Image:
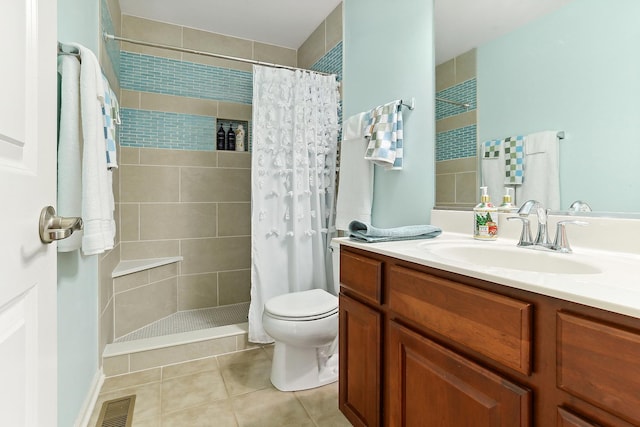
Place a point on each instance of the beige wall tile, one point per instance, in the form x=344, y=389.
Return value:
x=466, y=66
x=313, y=48
x=209, y=255
x=216, y=43
x=217, y=62
x=234, y=159
x=465, y=118
x=131, y=380
x=105, y=268
x=151, y=31
x=129, y=99
x=141, y=306
x=131, y=281
x=170, y=355
x=129, y=156
x=178, y=104
x=149, y=183
x=234, y=286
x=116, y=14
x=197, y=291
x=242, y=341
x=234, y=111
x=111, y=366
x=467, y=188
x=445, y=188
x=144, y=250
x=207, y=364
x=160, y=157
x=177, y=221
x=105, y=334
x=163, y=272
x=223, y=185
x=130, y=222
x=275, y=54
x=107, y=68
x=467, y=164
x=334, y=28
x=234, y=219
x=445, y=75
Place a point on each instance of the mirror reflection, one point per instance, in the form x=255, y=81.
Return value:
x=575, y=70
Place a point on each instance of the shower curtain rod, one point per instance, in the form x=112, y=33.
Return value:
x=107, y=36
x=462, y=104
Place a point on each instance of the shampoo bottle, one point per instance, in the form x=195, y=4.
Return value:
x=485, y=216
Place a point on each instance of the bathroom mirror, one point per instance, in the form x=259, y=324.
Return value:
x=574, y=69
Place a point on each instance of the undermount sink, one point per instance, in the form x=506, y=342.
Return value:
x=512, y=258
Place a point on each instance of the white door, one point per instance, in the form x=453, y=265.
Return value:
x=27, y=183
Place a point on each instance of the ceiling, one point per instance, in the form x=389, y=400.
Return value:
x=459, y=24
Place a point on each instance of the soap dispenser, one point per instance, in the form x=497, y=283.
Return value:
x=485, y=226
x=507, y=205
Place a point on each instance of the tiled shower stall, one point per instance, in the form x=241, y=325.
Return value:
x=176, y=196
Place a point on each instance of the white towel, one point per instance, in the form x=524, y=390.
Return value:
x=97, y=210
x=492, y=166
x=69, y=149
x=355, y=182
x=542, y=180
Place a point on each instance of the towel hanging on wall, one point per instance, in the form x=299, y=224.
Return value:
x=385, y=134
x=69, y=149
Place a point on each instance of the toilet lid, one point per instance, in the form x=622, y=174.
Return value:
x=312, y=303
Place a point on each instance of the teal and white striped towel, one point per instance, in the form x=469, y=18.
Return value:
x=364, y=232
x=385, y=135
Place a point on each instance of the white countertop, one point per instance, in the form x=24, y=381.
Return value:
x=616, y=288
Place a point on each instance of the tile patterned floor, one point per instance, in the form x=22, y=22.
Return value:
x=228, y=390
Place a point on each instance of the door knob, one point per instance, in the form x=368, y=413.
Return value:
x=54, y=227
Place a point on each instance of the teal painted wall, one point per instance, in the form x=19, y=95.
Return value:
x=77, y=275
x=576, y=70
x=388, y=54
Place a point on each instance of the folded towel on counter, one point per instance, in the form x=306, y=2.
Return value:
x=355, y=180
x=367, y=233
x=70, y=149
x=514, y=160
x=386, y=136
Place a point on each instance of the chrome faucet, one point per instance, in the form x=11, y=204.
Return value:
x=561, y=243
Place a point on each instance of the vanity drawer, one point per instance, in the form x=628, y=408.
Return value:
x=496, y=326
x=600, y=363
x=361, y=275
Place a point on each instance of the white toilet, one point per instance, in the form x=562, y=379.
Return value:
x=304, y=326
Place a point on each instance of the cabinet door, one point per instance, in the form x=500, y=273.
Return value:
x=431, y=386
x=360, y=350
x=569, y=419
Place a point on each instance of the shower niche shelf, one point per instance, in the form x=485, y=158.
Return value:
x=133, y=266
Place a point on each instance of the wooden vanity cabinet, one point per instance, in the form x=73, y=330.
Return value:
x=426, y=347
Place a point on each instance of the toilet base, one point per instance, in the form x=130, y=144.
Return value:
x=297, y=368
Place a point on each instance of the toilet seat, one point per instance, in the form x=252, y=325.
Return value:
x=302, y=306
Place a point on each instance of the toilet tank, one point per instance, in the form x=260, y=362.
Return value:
x=335, y=262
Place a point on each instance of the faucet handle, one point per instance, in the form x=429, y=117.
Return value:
x=561, y=242
x=525, y=235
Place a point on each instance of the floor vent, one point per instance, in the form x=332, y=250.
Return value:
x=117, y=412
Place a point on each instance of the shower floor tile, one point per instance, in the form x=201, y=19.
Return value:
x=191, y=320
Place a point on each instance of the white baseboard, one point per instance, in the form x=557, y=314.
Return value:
x=90, y=401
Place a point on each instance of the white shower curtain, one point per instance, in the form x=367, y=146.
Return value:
x=295, y=132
